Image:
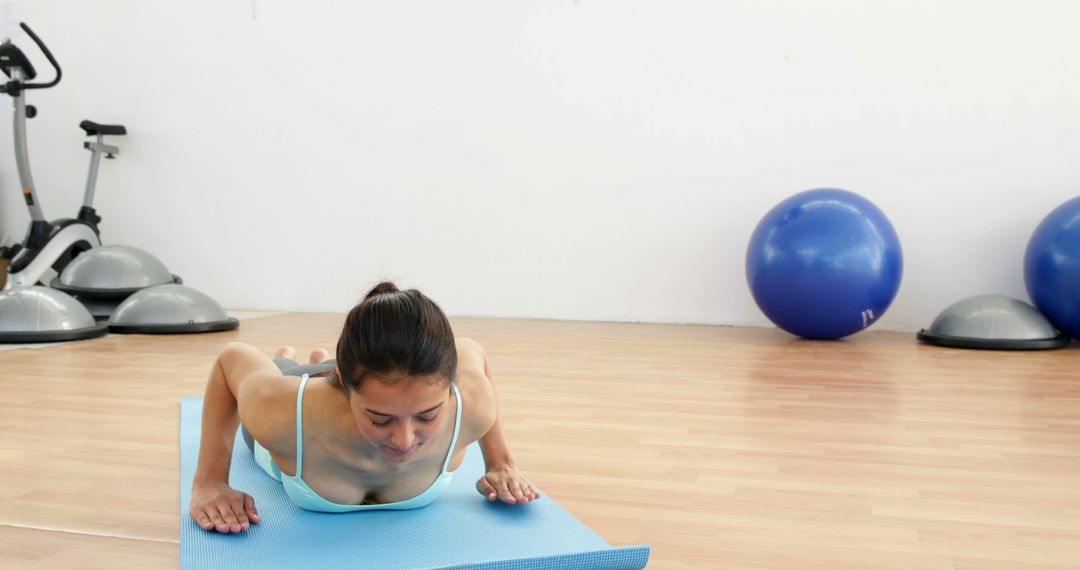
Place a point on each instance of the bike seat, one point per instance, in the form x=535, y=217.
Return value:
x=93, y=128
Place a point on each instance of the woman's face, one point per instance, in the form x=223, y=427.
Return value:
x=400, y=416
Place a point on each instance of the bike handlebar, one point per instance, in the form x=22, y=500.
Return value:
x=48, y=54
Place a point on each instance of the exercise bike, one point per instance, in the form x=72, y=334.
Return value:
x=48, y=246
x=62, y=265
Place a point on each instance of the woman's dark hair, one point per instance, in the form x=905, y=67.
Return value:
x=393, y=331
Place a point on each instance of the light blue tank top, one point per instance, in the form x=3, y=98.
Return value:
x=308, y=499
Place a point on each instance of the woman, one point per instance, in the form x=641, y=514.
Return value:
x=384, y=430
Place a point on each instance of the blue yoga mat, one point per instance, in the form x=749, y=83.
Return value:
x=461, y=529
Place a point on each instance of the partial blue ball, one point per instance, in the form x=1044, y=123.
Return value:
x=824, y=264
x=1052, y=267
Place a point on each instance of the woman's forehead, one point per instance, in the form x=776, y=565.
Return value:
x=406, y=397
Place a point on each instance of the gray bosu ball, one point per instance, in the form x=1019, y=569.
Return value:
x=112, y=271
x=40, y=314
x=995, y=322
x=170, y=309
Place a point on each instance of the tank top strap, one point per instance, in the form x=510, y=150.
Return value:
x=300, y=427
x=457, y=429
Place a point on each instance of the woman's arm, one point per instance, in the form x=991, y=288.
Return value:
x=502, y=481
x=215, y=505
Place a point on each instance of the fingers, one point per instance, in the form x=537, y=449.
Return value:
x=528, y=491
x=503, y=492
x=486, y=489
x=517, y=493
x=202, y=518
x=513, y=490
x=249, y=508
x=521, y=491
x=506, y=491
x=217, y=520
x=229, y=518
x=238, y=504
x=222, y=509
x=225, y=519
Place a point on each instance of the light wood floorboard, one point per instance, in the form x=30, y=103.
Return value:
x=722, y=447
x=37, y=549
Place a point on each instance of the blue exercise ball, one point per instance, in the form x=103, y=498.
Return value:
x=824, y=264
x=1052, y=267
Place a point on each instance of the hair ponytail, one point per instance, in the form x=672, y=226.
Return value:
x=382, y=289
x=393, y=331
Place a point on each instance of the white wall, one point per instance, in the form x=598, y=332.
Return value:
x=555, y=159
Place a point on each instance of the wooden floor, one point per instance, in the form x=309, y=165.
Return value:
x=720, y=447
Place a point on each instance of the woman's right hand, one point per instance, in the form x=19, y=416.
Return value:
x=217, y=506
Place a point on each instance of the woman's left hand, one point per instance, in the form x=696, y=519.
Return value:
x=505, y=484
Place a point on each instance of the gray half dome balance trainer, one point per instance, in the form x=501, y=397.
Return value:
x=993, y=322
x=40, y=314
x=170, y=309
x=112, y=271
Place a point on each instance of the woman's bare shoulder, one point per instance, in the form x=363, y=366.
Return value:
x=470, y=353
x=267, y=407
x=477, y=392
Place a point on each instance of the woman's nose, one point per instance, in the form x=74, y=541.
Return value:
x=403, y=437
